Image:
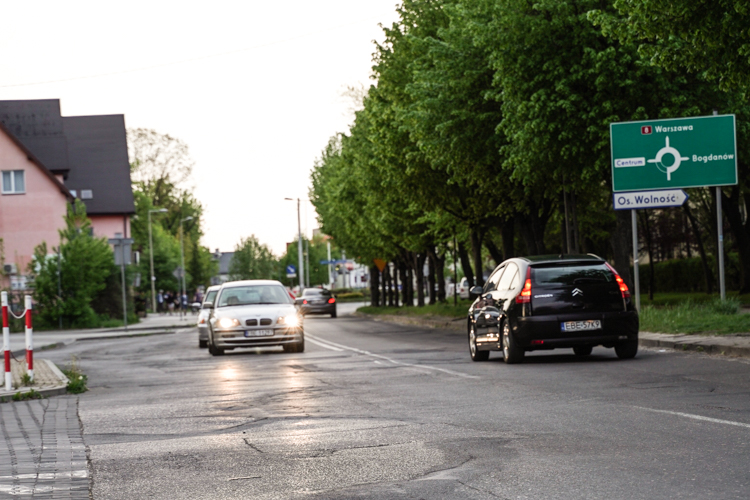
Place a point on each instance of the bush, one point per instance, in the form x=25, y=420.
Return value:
x=85, y=263
x=686, y=275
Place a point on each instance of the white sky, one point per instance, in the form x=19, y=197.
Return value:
x=255, y=120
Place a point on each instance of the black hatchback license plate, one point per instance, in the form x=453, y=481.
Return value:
x=258, y=333
x=579, y=326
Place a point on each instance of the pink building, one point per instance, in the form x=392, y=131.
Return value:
x=33, y=202
x=46, y=161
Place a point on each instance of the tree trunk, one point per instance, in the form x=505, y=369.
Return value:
x=440, y=274
x=404, y=273
x=707, y=274
x=392, y=293
x=476, y=246
x=410, y=284
x=576, y=238
x=509, y=231
x=384, y=286
x=494, y=251
x=621, y=243
x=431, y=266
x=463, y=256
x=741, y=232
x=396, y=279
x=374, y=286
x=419, y=272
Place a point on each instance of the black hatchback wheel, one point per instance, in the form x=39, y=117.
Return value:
x=511, y=352
x=476, y=355
x=627, y=349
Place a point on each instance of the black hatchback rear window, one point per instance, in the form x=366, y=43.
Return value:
x=571, y=274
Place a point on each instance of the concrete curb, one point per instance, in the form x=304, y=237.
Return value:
x=55, y=390
x=727, y=345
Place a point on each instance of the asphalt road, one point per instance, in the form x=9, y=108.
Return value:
x=375, y=410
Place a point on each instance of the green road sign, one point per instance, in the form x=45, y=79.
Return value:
x=675, y=153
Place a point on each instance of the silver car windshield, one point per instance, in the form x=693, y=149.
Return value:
x=253, y=294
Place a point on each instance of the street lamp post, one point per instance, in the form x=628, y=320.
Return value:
x=301, y=262
x=151, y=255
x=182, y=262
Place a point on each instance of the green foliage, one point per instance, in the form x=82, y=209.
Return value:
x=252, y=261
x=161, y=169
x=317, y=248
x=85, y=263
x=25, y=396
x=485, y=111
x=26, y=380
x=76, y=379
x=709, y=37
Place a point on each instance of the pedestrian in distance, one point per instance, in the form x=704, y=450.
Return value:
x=160, y=302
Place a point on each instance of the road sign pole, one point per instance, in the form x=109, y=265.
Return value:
x=720, y=246
x=636, y=277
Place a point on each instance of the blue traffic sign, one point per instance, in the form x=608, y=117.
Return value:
x=291, y=271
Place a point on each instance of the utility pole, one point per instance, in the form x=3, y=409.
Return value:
x=300, y=257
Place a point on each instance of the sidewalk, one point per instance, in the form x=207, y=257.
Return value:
x=728, y=345
x=153, y=324
x=42, y=453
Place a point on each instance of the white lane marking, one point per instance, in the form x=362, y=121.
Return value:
x=321, y=344
x=696, y=417
x=401, y=363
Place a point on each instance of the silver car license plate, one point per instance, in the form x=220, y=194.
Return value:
x=258, y=333
x=577, y=326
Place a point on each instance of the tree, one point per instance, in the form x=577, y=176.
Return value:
x=708, y=37
x=161, y=168
x=252, y=261
x=85, y=263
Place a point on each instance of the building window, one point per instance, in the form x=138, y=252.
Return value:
x=14, y=182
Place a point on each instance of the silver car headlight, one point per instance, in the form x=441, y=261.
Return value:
x=228, y=322
x=290, y=320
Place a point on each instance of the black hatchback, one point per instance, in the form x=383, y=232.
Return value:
x=549, y=302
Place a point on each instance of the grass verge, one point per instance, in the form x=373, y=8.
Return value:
x=447, y=310
x=711, y=317
x=675, y=313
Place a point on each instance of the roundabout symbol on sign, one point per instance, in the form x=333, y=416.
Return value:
x=670, y=151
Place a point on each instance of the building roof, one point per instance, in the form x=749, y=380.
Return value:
x=33, y=159
x=38, y=125
x=100, y=170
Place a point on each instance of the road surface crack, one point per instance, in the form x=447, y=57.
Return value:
x=251, y=445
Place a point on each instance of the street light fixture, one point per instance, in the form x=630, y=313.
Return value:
x=301, y=264
x=151, y=255
x=182, y=260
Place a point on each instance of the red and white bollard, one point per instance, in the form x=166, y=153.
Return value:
x=29, y=339
x=6, y=343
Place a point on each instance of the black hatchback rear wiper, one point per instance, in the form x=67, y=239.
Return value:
x=581, y=281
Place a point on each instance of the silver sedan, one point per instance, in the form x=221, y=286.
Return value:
x=255, y=313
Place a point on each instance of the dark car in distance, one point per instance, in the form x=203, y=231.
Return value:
x=316, y=301
x=549, y=302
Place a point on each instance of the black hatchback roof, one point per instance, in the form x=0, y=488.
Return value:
x=550, y=259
